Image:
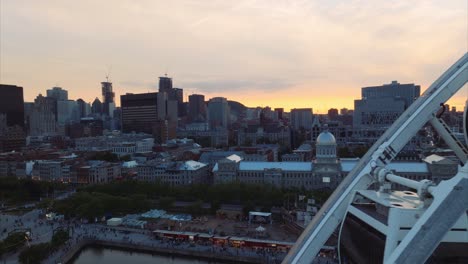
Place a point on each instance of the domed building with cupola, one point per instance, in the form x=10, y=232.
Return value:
x=326, y=147
x=325, y=170
x=326, y=165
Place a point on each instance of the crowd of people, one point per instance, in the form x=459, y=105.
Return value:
x=82, y=233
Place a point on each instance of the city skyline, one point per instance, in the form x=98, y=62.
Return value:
x=293, y=55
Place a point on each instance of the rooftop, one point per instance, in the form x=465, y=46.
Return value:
x=192, y=165
x=414, y=167
x=287, y=166
x=326, y=138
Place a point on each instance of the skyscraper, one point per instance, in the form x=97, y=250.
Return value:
x=108, y=104
x=12, y=104
x=96, y=107
x=43, y=119
x=140, y=112
x=197, y=108
x=218, y=113
x=173, y=94
x=12, y=136
x=58, y=93
x=179, y=97
x=67, y=111
x=82, y=108
x=165, y=84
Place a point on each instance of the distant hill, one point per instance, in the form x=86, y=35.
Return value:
x=237, y=108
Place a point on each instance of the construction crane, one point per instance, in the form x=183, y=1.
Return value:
x=448, y=205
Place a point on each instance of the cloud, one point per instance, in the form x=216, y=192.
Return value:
x=221, y=85
x=325, y=46
x=138, y=84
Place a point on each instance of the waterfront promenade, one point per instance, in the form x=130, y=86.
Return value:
x=133, y=239
x=144, y=241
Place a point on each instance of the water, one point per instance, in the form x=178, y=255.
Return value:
x=103, y=255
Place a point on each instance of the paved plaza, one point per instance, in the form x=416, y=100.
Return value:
x=42, y=231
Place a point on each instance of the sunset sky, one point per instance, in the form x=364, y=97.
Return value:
x=261, y=53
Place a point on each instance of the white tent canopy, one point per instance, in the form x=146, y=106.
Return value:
x=253, y=215
x=260, y=229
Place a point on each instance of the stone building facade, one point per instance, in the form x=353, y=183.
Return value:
x=325, y=171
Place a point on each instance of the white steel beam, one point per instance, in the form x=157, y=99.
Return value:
x=381, y=153
x=441, y=127
x=450, y=202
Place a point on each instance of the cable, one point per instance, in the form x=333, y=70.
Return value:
x=339, y=233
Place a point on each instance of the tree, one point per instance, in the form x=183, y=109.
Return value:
x=166, y=203
x=248, y=206
x=360, y=151
x=125, y=158
x=344, y=152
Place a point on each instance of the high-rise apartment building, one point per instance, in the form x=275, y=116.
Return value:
x=58, y=94
x=197, y=108
x=218, y=113
x=380, y=106
x=301, y=118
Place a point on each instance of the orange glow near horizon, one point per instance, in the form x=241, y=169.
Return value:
x=275, y=99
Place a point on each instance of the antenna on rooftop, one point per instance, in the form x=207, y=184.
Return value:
x=108, y=73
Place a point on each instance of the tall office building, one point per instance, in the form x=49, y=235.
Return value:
x=196, y=108
x=108, y=104
x=173, y=94
x=179, y=97
x=96, y=107
x=165, y=84
x=58, y=94
x=140, y=112
x=67, y=111
x=28, y=109
x=218, y=113
x=301, y=118
x=12, y=104
x=43, y=120
x=380, y=106
x=82, y=108
x=12, y=136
